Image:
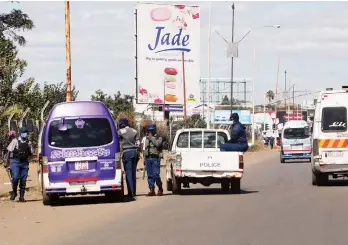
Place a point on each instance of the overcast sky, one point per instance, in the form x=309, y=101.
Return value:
x=312, y=43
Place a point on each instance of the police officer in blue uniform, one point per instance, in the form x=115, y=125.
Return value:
x=238, y=141
x=129, y=140
x=19, y=151
x=153, y=155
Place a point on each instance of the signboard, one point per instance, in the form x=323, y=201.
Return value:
x=223, y=116
x=174, y=108
x=164, y=33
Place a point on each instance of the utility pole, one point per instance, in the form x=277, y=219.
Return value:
x=293, y=95
x=285, y=95
x=67, y=52
x=232, y=58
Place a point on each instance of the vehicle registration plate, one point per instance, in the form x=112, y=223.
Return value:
x=84, y=183
x=80, y=166
x=296, y=147
x=335, y=154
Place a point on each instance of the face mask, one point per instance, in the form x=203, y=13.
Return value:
x=24, y=135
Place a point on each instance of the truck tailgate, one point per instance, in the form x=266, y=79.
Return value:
x=210, y=161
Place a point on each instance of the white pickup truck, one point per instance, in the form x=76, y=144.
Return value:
x=195, y=157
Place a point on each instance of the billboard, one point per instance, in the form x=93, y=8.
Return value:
x=223, y=116
x=164, y=34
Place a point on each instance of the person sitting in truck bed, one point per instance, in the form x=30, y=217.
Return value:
x=238, y=141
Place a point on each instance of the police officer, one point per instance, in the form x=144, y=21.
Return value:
x=238, y=141
x=19, y=151
x=129, y=140
x=153, y=155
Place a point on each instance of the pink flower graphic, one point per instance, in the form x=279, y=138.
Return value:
x=142, y=91
x=195, y=16
x=180, y=6
x=158, y=101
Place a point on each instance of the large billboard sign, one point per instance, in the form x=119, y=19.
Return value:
x=164, y=33
x=223, y=116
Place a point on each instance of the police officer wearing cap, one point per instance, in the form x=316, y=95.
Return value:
x=238, y=141
x=19, y=151
x=129, y=140
x=153, y=155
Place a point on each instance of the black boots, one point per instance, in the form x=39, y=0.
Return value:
x=13, y=195
x=152, y=192
x=160, y=192
x=21, y=196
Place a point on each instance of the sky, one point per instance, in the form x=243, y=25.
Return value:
x=312, y=44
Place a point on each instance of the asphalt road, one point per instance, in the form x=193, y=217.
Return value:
x=278, y=206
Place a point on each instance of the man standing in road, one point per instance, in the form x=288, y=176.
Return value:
x=19, y=151
x=153, y=155
x=129, y=140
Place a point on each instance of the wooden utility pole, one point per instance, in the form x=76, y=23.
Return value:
x=184, y=82
x=67, y=52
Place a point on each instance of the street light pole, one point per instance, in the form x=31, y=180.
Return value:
x=209, y=44
x=285, y=94
x=232, y=57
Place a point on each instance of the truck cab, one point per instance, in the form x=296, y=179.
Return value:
x=195, y=157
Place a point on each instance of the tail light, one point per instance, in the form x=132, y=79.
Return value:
x=178, y=161
x=118, y=160
x=241, y=162
x=315, y=147
x=44, y=164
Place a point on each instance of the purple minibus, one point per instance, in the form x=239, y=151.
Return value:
x=79, y=152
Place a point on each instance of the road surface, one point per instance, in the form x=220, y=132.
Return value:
x=278, y=207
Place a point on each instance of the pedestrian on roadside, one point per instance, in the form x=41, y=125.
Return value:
x=153, y=155
x=19, y=152
x=129, y=141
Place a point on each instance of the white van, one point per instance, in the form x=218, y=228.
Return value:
x=295, y=141
x=330, y=136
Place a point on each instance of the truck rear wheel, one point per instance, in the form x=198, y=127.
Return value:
x=225, y=185
x=169, y=185
x=320, y=179
x=176, y=184
x=235, y=186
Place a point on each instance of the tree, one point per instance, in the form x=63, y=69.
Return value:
x=225, y=101
x=11, y=67
x=270, y=96
x=117, y=103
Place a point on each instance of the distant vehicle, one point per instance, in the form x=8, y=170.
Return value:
x=195, y=157
x=295, y=141
x=330, y=136
x=80, y=153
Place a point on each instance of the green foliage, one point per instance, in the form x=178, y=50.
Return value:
x=194, y=121
x=270, y=95
x=117, y=103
